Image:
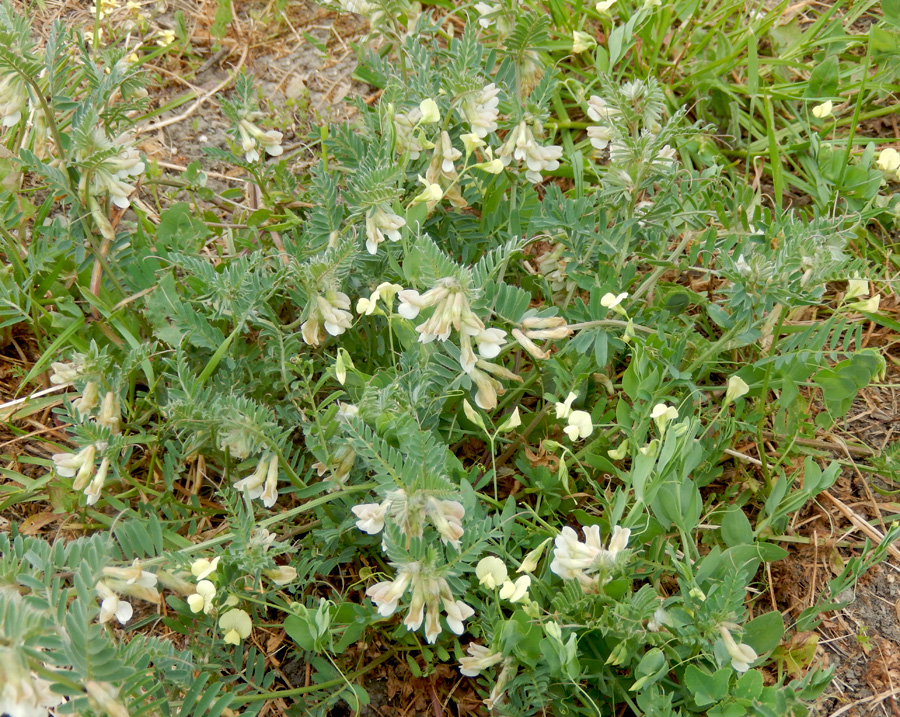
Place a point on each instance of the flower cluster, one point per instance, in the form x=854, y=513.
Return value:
x=410, y=513
x=263, y=482
x=481, y=110
x=452, y=311
x=521, y=146
x=329, y=313
x=253, y=138
x=133, y=582
x=13, y=99
x=80, y=465
x=110, y=175
x=491, y=572
x=430, y=591
x=589, y=562
x=580, y=424
x=599, y=111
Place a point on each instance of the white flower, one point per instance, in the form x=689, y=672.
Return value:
x=251, y=135
x=269, y=494
x=530, y=563
x=480, y=658
x=88, y=399
x=329, y=312
x=574, y=560
x=514, y=421
x=430, y=195
x=81, y=463
x=490, y=342
x=481, y=111
x=386, y=595
x=741, y=655
x=381, y=224
x=430, y=112
x=870, y=305
x=449, y=154
x=109, y=176
x=662, y=414
x=532, y=348
x=823, y=110
x=282, y=575
x=515, y=591
x=486, y=12
x=604, y=5
x=64, y=372
x=110, y=412
x=13, y=99
x=96, y=485
x=487, y=389
x=255, y=482
x=202, y=600
x=613, y=301
x=888, y=160
x=446, y=516
x=112, y=606
x=600, y=136
x=737, y=387
x=858, y=287
x=371, y=516
x=660, y=618
x=236, y=625
x=204, y=567
x=491, y=572
x=133, y=575
x=743, y=268
x=580, y=425
x=581, y=42
x=564, y=409
x=404, y=129
x=520, y=145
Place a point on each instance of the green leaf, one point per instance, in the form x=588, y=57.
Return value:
x=707, y=689
x=736, y=529
x=763, y=633
x=823, y=81
x=891, y=11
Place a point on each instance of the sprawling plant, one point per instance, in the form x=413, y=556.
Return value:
x=499, y=367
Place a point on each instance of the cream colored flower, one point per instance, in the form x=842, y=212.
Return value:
x=737, y=387
x=202, y=599
x=491, y=572
x=480, y=658
x=580, y=425
x=888, y=160
x=96, y=485
x=869, y=306
x=662, y=414
x=823, y=110
x=581, y=42
x=203, y=567
x=282, y=575
x=564, y=409
x=858, y=287
x=742, y=655
x=430, y=112
x=515, y=591
x=236, y=625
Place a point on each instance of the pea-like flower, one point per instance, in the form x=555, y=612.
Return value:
x=13, y=99
x=737, y=387
x=96, y=485
x=888, y=160
x=613, y=302
x=253, y=136
x=236, y=625
x=429, y=594
x=112, y=606
x=742, y=655
x=573, y=559
x=480, y=658
x=204, y=567
x=263, y=482
x=823, y=110
x=859, y=287
x=329, y=314
x=202, y=599
x=481, y=110
x=491, y=572
x=430, y=111
x=381, y=225
x=580, y=425
x=522, y=146
x=282, y=575
x=564, y=408
x=80, y=465
x=515, y=591
x=88, y=400
x=110, y=412
x=662, y=414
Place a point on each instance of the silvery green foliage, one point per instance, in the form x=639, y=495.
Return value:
x=313, y=368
